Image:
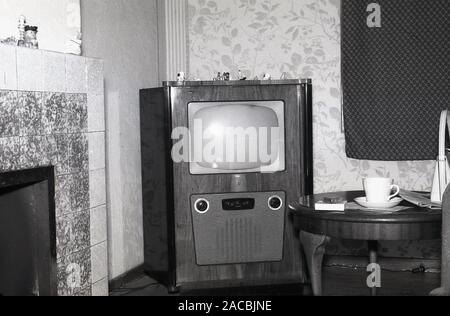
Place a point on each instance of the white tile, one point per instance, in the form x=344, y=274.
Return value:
x=95, y=76
x=99, y=262
x=97, y=187
x=8, y=67
x=97, y=150
x=76, y=75
x=96, y=113
x=101, y=288
x=99, y=229
x=29, y=69
x=54, y=72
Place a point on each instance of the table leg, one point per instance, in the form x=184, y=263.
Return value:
x=314, y=248
x=373, y=254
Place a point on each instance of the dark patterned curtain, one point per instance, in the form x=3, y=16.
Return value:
x=396, y=77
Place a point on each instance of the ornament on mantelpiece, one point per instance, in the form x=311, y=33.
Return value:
x=31, y=37
x=73, y=45
x=21, y=28
x=9, y=41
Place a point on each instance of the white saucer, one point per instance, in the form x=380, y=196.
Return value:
x=388, y=205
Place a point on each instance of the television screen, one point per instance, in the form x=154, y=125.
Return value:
x=236, y=137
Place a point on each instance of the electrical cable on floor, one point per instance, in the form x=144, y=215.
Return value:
x=422, y=269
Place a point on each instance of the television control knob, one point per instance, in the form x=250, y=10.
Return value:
x=275, y=203
x=202, y=206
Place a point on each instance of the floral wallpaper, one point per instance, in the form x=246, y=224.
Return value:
x=302, y=39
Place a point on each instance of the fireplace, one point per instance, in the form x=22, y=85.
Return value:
x=27, y=233
x=43, y=125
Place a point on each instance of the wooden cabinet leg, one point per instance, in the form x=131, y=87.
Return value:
x=314, y=247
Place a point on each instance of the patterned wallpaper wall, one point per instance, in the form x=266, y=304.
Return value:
x=301, y=38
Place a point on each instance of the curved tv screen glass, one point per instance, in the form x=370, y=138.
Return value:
x=236, y=137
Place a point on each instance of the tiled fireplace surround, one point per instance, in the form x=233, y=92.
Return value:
x=52, y=114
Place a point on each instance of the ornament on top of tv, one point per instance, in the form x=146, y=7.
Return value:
x=181, y=76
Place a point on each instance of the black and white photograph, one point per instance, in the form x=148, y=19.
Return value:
x=217, y=156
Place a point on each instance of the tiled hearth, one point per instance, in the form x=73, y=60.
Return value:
x=52, y=114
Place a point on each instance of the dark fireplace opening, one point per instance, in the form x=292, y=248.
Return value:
x=27, y=233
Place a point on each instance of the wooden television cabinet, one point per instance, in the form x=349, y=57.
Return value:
x=181, y=246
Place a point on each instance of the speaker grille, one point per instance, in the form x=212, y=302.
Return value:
x=239, y=239
x=224, y=237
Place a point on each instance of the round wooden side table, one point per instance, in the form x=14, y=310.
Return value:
x=318, y=227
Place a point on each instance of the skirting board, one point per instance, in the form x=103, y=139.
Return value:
x=389, y=264
x=126, y=278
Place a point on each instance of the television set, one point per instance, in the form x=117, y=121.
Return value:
x=237, y=137
x=221, y=162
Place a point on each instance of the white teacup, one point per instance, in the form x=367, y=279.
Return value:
x=379, y=190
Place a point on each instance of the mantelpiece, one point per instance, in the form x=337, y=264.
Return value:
x=52, y=114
